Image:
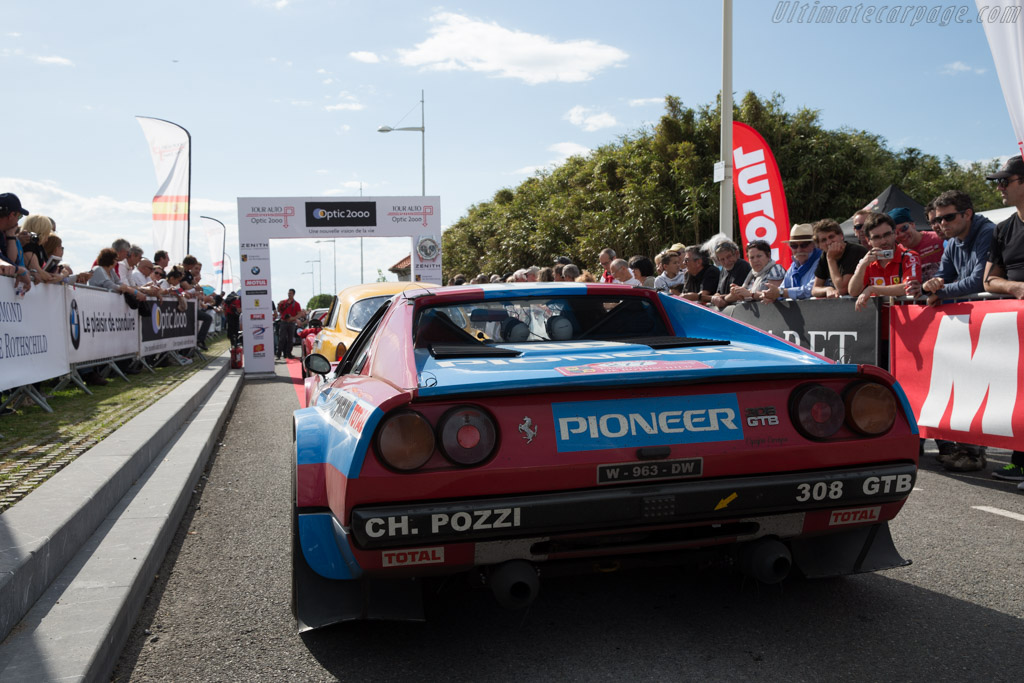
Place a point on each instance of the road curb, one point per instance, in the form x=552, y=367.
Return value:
x=42, y=533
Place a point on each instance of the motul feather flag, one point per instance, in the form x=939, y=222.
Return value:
x=169, y=144
x=760, y=199
x=215, y=239
x=229, y=284
x=1006, y=40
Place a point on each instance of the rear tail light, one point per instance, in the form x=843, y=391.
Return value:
x=870, y=408
x=818, y=411
x=468, y=435
x=339, y=351
x=405, y=441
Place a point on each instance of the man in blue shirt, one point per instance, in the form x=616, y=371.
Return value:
x=961, y=273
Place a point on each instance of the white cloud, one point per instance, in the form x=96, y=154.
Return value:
x=59, y=61
x=87, y=224
x=588, y=119
x=563, y=150
x=958, y=68
x=328, y=81
x=346, y=102
x=301, y=103
x=458, y=43
x=365, y=57
x=644, y=101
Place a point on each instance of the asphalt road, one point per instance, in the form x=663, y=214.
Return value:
x=220, y=609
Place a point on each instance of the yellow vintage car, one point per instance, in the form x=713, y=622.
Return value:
x=349, y=312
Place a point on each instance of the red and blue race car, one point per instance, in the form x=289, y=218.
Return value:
x=517, y=431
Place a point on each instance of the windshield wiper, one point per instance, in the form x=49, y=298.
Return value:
x=450, y=350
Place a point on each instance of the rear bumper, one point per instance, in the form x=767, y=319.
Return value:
x=623, y=507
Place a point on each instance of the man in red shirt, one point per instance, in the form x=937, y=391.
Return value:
x=888, y=269
x=928, y=245
x=289, y=310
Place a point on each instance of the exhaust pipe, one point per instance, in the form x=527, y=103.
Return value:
x=514, y=583
x=767, y=560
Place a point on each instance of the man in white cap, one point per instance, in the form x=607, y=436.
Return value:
x=800, y=277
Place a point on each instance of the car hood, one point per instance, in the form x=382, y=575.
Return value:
x=602, y=363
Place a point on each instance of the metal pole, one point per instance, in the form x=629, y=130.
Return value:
x=360, y=260
x=423, y=145
x=725, y=191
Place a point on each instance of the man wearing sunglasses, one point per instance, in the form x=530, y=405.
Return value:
x=1004, y=271
x=888, y=269
x=928, y=245
x=961, y=273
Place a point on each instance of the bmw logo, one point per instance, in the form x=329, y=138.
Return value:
x=255, y=270
x=75, y=324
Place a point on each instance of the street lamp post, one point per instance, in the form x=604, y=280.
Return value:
x=422, y=128
x=309, y=272
x=317, y=260
x=334, y=243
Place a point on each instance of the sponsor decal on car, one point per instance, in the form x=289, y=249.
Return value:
x=405, y=558
x=595, y=425
x=443, y=522
x=631, y=366
x=859, y=516
x=760, y=417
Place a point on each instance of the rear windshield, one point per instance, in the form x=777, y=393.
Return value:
x=521, y=321
x=363, y=309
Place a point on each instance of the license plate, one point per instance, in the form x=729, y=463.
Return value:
x=639, y=471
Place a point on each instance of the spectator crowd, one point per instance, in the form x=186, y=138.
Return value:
x=32, y=252
x=964, y=254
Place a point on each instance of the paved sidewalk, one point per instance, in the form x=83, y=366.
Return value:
x=78, y=554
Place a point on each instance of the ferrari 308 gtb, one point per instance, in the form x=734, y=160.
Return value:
x=519, y=431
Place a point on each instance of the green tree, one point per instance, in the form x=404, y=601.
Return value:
x=654, y=187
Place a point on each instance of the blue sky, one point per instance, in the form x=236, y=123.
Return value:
x=284, y=98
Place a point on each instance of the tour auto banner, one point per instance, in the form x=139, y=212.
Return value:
x=1006, y=40
x=760, y=198
x=32, y=346
x=169, y=144
x=829, y=327
x=962, y=368
x=99, y=325
x=166, y=328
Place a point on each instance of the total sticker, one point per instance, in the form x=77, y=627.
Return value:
x=404, y=558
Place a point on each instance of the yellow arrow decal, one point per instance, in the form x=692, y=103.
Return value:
x=725, y=501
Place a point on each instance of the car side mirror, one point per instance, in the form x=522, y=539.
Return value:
x=317, y=364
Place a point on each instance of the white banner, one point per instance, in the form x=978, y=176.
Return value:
x=169, y=145
x=261, y=219
x=1004, y=29
x=32, y=335
x=100, y=325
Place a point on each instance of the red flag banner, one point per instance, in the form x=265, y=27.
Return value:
x=962, y=368
x=760, y=198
